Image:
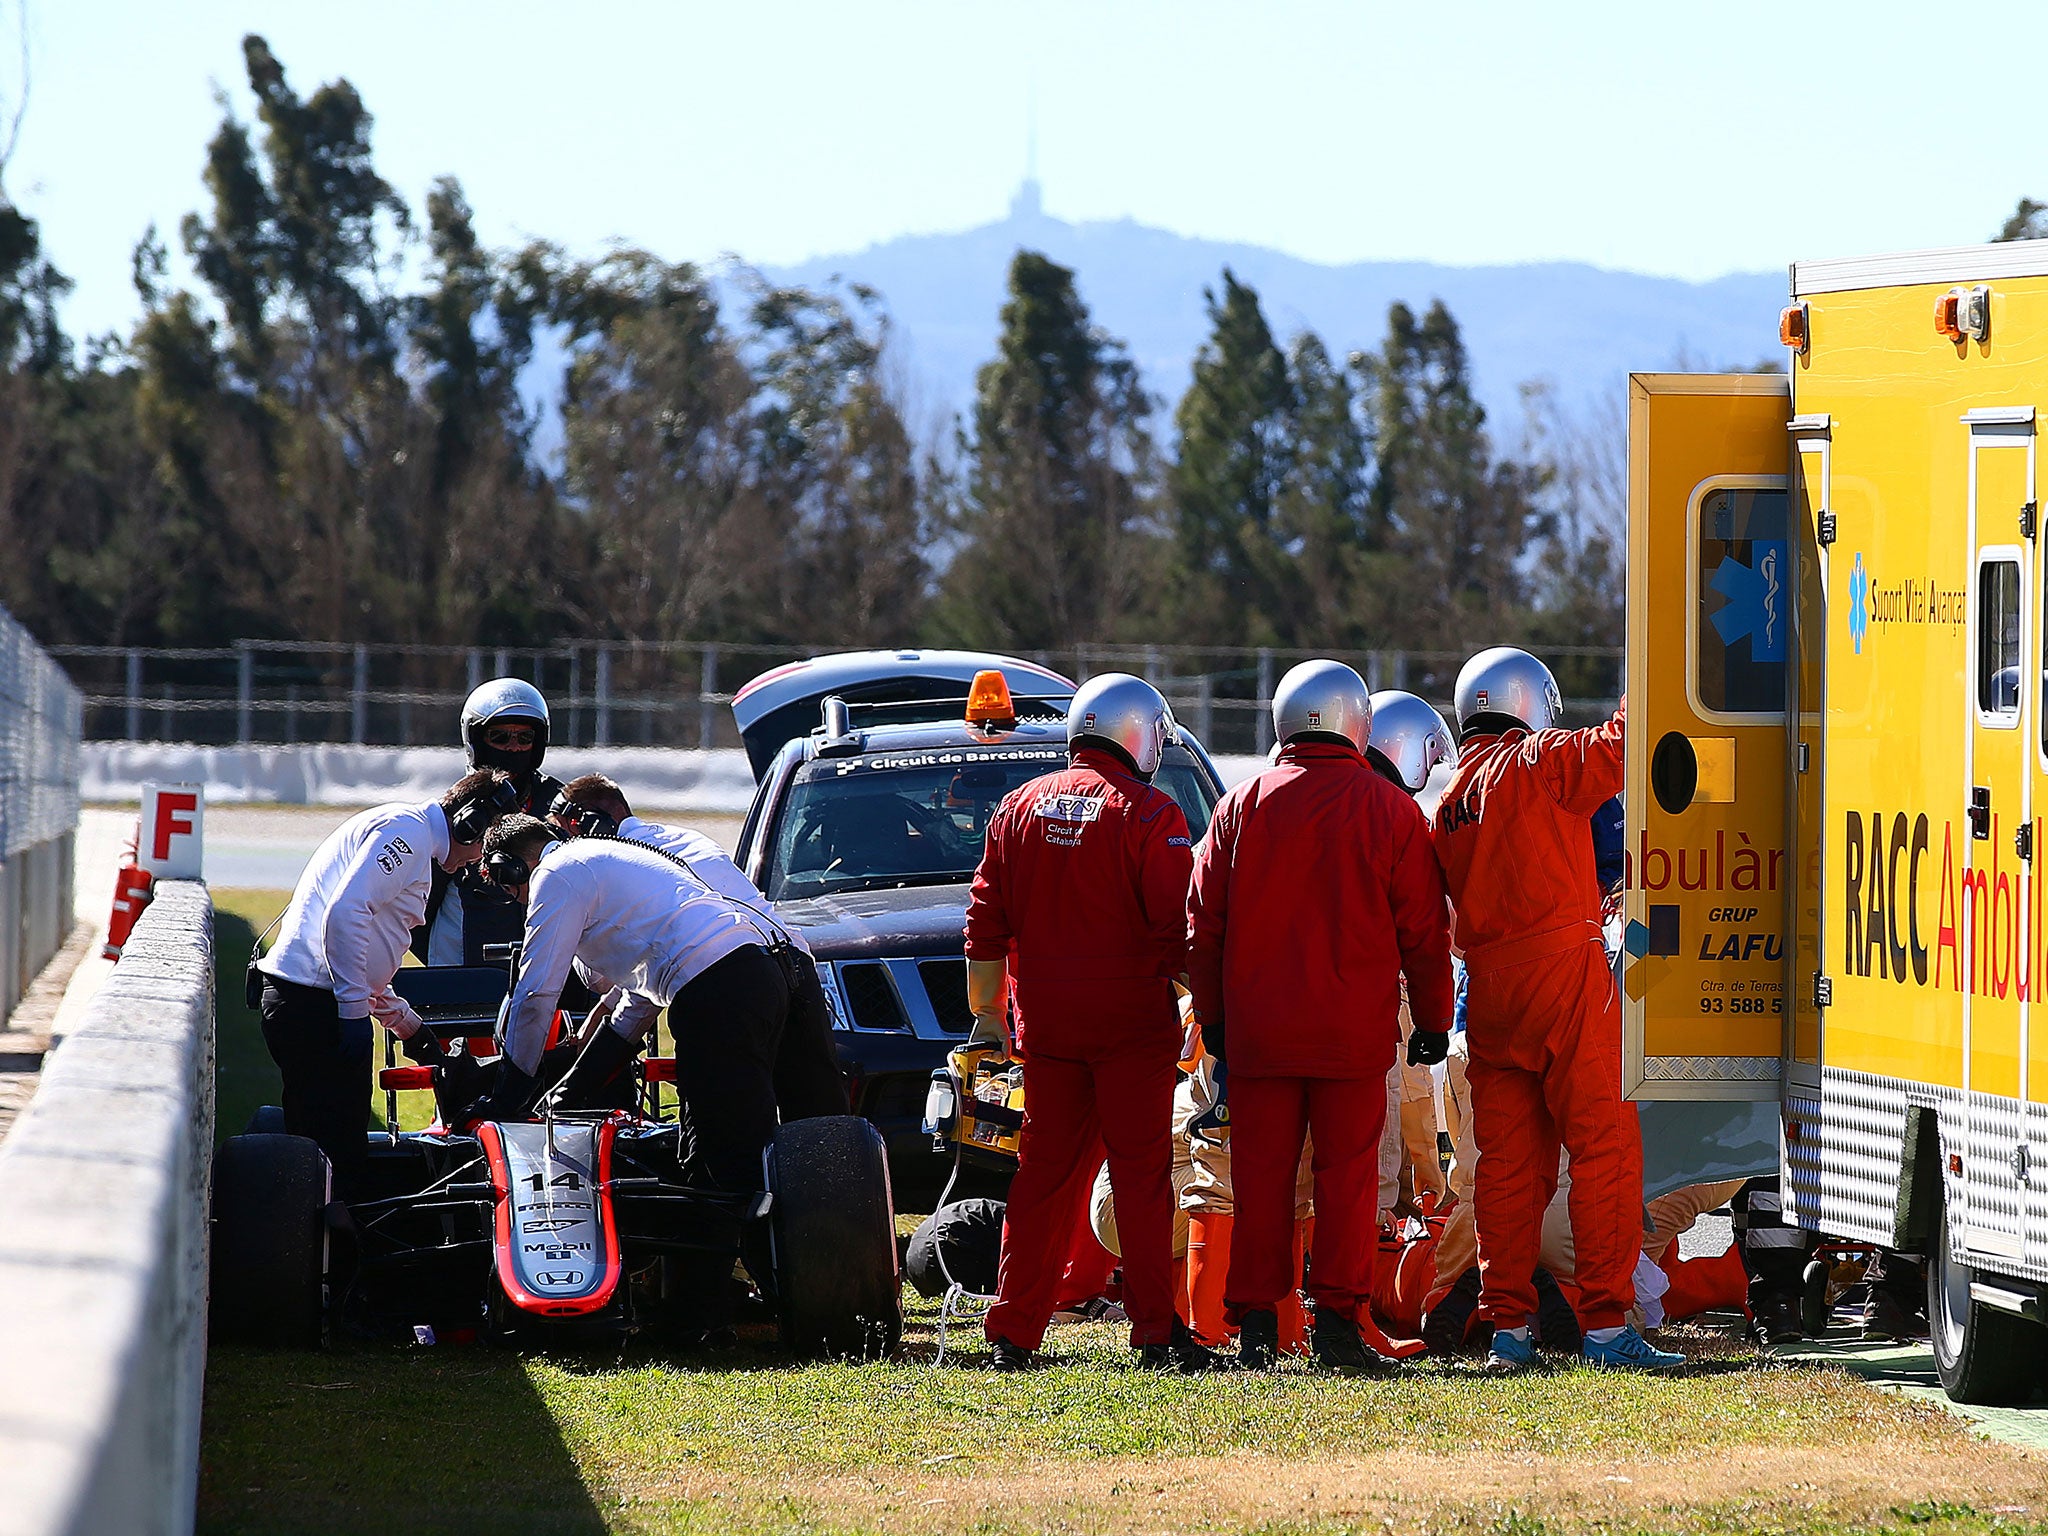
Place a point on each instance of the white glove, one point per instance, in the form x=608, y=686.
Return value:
x=988, y=990
x=394, y=1013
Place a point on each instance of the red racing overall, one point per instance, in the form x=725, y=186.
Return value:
x=1543, y=1022
x=1315, y=892
x=1083, y=889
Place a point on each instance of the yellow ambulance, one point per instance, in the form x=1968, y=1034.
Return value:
x=1838, y=770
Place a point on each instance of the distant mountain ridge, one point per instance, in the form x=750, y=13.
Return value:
x=1582, y=328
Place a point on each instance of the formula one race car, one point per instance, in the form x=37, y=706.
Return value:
x=560, y=1229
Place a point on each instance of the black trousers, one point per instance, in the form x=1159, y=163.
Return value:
x=808, y=1081
x=729, y=1023
x=326, y=1073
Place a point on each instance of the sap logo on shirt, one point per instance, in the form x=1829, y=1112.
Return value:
x=394, y=854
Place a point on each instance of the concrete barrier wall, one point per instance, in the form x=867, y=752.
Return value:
x=103, y=1203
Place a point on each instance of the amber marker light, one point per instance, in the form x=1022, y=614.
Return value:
x=1792, y=328
x=1948, y=318
x=988, y=701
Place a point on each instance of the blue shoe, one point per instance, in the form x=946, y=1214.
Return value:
x=1630, y=1351
x=1509, y=1355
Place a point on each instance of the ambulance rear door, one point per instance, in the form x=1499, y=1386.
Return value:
x=1711, y=559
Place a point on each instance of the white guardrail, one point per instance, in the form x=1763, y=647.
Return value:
x=654, y=778
x=103, y=1197
x=40, y=712
x=717, y=782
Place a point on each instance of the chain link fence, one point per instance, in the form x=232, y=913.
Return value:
x=263, y=692
x=40, y=719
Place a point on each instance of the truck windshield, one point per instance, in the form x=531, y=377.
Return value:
x=918, y=818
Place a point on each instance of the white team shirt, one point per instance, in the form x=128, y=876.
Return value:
x=627, y=918
x=711, y=864
x=357, y=903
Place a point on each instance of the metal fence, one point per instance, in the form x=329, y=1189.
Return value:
x=40, y=713
x=640, y=694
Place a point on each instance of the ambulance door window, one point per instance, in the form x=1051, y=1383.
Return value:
x=1741, y=597
x=1998, y=642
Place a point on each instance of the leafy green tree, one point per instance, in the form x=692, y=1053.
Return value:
x=1459, y=519
x=655, y=422
x=1052, y=528
x=836, y=459
x=1321, y=512
x=2029, y=221
x=1237, y=449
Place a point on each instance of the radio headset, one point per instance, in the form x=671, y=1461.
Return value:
x=467, y=823
x=470, y=820
x=589, y=821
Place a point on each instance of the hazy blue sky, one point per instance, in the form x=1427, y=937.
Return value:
x=1690, y=140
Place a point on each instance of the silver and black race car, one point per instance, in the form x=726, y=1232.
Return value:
x=559, y=1229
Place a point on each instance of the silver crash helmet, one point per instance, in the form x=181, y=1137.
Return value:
x=1124, y=713
x=1409, y=737
x=1323, y=698
x=499, y=702
x=1512, y=687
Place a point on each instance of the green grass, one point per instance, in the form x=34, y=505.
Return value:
x=479, y=1439
x=458, y=1440
x=245, y=1077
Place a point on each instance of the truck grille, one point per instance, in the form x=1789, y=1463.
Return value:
x=945, y=983
x=870, y=998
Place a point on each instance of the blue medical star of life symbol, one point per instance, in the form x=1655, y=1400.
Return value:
x=1859, y=603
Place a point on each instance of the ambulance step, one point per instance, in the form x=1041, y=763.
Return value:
x=2027, y=1304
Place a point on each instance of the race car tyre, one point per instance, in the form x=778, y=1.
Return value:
x=1981, y=1354
x=269, y=1242
x=267, y=1121
x=834, y=1231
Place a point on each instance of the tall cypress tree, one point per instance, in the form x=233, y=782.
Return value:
x=1057, y=478
x=1460, y=521
x=1237, y=449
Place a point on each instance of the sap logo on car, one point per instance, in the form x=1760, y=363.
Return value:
x=560, y=1224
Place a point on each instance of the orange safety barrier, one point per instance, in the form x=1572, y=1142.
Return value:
x=133, y=888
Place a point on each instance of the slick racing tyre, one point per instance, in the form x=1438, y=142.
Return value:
x=834, y=1231
x=269, y=1242
x=1981, y=1354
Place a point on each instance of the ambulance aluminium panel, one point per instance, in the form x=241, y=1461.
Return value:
x=1838, y=652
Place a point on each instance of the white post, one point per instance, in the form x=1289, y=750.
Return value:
x=358, y=700
x=707, y=684
x=1264, y=733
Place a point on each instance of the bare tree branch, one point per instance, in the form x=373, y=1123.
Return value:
x=12, y=136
